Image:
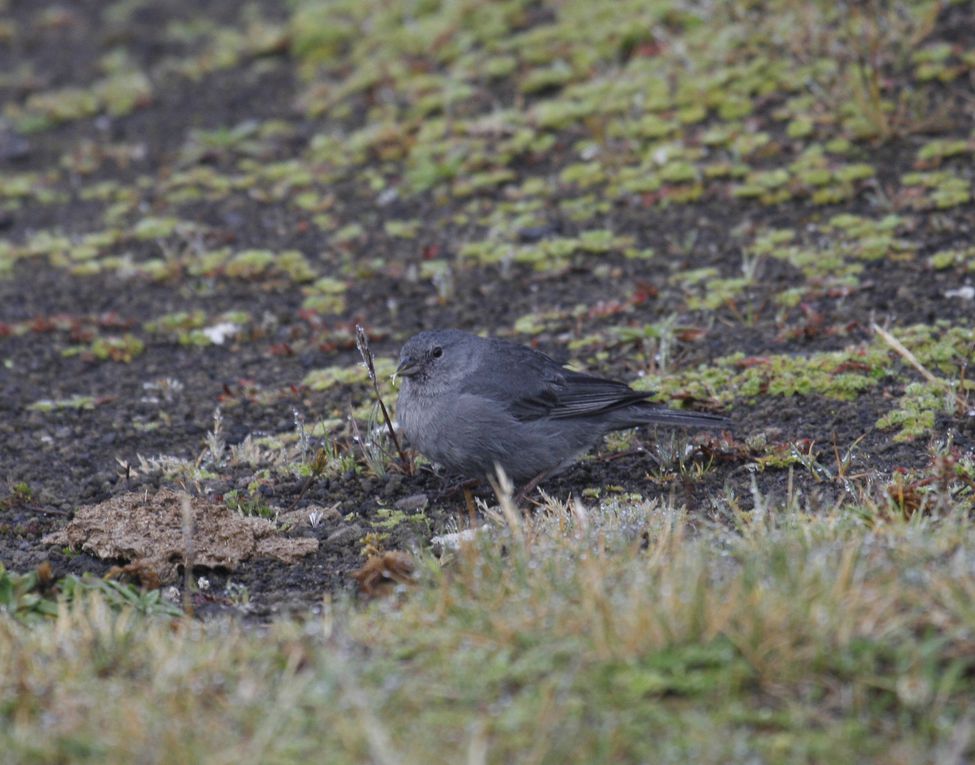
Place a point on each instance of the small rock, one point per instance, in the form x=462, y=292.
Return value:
x=393, y=484
x=412, y=502
x=311, y=516
x=532, y=234
x=965, y=293
x=344, y=535
x=13, y=147
x=445, y=542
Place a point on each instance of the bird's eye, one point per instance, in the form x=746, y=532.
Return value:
x=437, y=352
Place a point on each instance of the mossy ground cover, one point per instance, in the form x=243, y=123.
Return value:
x=762, y=208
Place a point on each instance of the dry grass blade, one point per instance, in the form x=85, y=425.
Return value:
x=503, y=490
x=362, y=344
x=911, y=359
x=186, y=509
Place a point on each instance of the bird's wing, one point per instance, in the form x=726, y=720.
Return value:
x=532, y=386
x=577, y=395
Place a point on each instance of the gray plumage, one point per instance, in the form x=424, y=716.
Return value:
x=470, y=402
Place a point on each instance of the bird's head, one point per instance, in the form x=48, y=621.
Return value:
x=438, y=357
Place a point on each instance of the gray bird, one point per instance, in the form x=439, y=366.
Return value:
x=471, y=403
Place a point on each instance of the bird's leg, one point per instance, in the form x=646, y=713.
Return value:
x=529, y=487
x=458, y=488
x=471, y=509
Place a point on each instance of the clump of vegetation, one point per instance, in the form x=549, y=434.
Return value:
x=718, y=642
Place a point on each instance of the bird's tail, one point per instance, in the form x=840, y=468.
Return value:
x=675, y=418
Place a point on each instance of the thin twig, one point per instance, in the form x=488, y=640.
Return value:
x=362, y=343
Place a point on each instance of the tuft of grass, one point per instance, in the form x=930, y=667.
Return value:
x=26, y=599
x=251, y=502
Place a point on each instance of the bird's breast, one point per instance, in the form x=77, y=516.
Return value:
x=420, y=416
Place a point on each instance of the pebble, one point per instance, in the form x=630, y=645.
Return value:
x=344, y=535
x=453, y=541
x=412, y=502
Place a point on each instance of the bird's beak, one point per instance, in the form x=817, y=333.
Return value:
x=407, y=367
